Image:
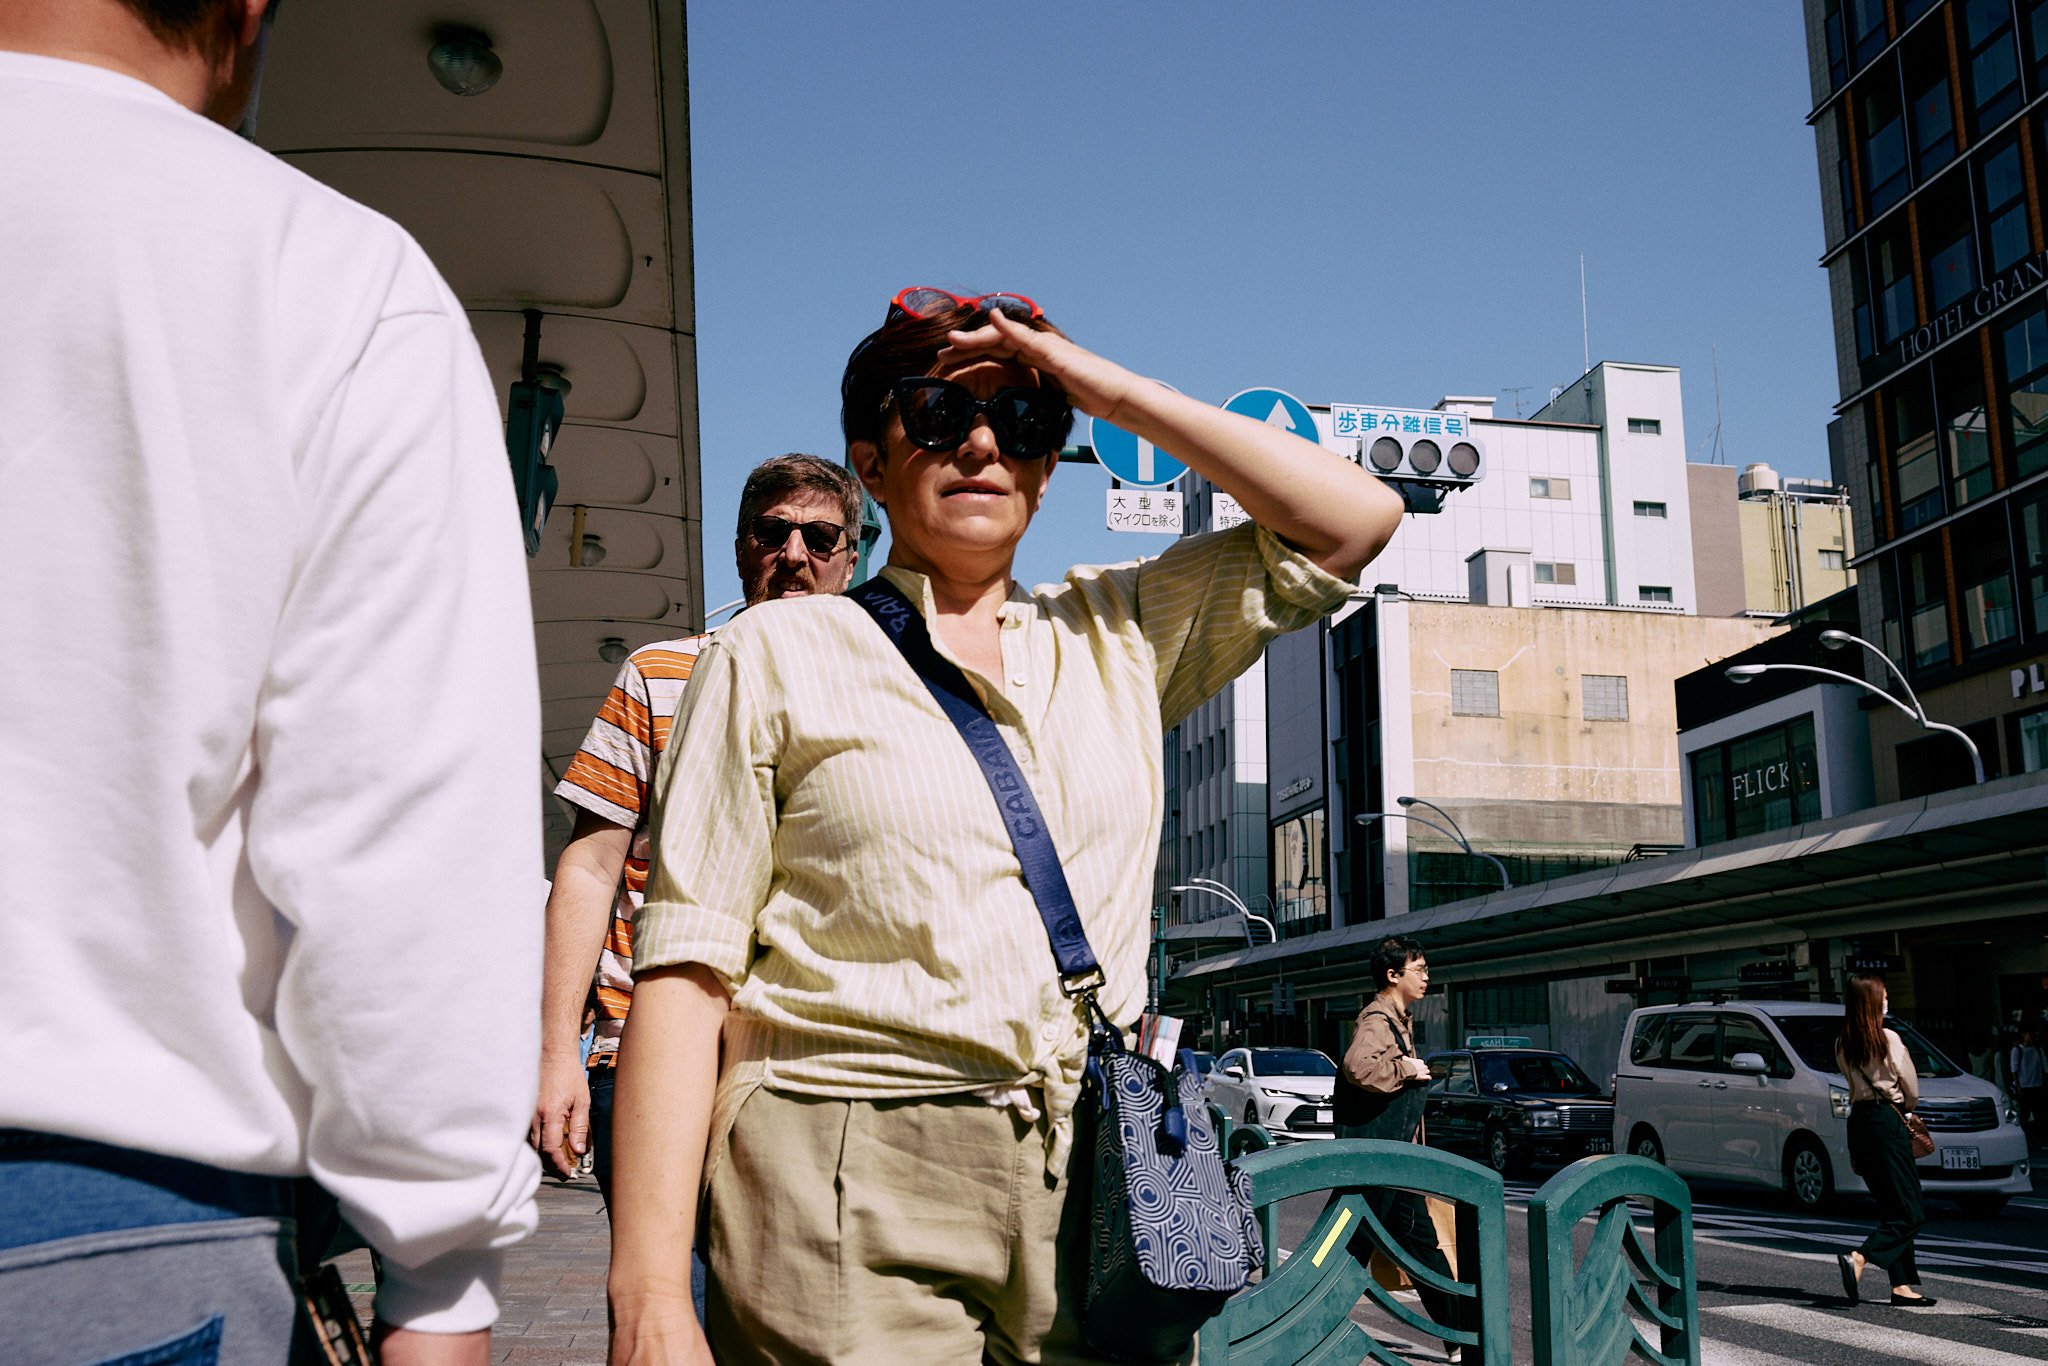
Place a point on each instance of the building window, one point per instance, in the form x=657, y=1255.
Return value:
x=1925, y=591
x=1651, y=592
x=1933, y=116
x=1916, y=457
x=1866, y=29
x=1992, y=66
x=1525, y=1004
x=1948, y=242
x=1550, y=488
x=2032, y=747
x=1475, y=692
x=1645, y=426
x=1966, y=425
x=1984, y=582
x=1651, y=510
x=1767, y=780
x=1882, y=119
x=2030, y=534
x=1835, y=560
x=1891, y=269
x=1556, y=572
x=1603, y=697
x=2025, y=349
x=1299, y=893
x=2034, y=15
x=2003, y=192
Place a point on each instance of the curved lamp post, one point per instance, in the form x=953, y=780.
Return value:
x=1217, y=889
x=1835, y=640
x=1454, y=833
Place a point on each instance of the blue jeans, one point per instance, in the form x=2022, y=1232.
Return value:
x=124, y=1258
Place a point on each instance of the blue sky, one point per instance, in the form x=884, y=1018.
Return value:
x=1357, y=202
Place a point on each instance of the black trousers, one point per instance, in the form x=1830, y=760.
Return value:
x=1406, y=1216
x=1882, y=1155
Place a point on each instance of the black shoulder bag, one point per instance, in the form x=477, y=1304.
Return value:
x=1171, y=1230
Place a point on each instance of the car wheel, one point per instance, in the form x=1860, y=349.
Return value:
x=1251, y=1112
x=1501, y=1154
x=1980, y=1206
x=1644, y=1144
x=1809, y=1180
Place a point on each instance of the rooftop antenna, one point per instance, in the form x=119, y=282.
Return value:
x=1585, y=332
x=1517, y=390
x=1713, y=442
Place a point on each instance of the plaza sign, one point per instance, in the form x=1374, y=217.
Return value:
x=1994, y=295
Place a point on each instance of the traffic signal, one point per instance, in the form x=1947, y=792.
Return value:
x=1451, y=461
x=533, y=417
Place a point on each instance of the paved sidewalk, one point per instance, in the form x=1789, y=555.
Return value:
x=553, y=1296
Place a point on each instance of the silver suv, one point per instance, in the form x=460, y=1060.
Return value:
x=1748, y=1092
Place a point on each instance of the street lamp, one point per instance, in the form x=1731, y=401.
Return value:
x=1215, y=888
x=1835, y=640
x=1454, y=833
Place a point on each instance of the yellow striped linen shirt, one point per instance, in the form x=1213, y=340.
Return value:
x=826, y=843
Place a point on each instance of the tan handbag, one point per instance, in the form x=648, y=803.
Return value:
x=1444, y=1215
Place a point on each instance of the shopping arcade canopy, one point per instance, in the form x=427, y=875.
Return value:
x=1934, y=859
x=565, y=187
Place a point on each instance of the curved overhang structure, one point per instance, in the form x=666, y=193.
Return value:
x=564, y=187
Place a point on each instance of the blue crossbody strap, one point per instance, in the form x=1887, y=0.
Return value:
x=1080, y=974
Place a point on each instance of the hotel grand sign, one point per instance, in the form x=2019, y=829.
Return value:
x=1965, y=313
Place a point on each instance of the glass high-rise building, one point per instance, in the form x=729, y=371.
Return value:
x=1930, y=120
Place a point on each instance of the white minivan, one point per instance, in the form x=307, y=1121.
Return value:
x=1747, y=1091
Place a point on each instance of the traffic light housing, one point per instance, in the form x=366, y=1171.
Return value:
x=1424, y=455
x=533, y=417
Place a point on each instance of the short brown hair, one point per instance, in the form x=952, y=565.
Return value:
x=906, y=346
x=179, y=23
x=775, y=479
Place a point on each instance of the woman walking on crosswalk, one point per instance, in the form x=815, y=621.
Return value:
x=1883, y=1089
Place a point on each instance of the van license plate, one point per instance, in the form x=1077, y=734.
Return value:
x=1322, y=1116
x=1599, y=1145
x=1960, y=1160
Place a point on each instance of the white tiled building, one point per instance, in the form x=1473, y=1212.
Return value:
x=1592, y=489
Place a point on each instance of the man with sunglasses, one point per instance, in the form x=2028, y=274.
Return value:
x=282, y=673
x=799, y=525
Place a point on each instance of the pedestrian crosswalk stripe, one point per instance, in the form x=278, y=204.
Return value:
x=1845, y=1330
x=1722, y=1354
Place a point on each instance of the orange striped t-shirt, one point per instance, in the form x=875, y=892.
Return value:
x=610, y=777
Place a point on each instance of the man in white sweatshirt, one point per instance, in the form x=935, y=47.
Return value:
x=268, y=718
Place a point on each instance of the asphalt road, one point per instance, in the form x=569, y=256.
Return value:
x=1770, y=1294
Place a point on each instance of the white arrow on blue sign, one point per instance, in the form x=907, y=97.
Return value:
x=1134, y=462
x=1276, y=408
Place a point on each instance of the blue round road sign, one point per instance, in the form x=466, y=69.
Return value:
x=1134, y=462
x=1276, y=408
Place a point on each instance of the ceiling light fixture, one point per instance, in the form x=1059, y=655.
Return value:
x=593, y=550
x=462, y=61
x=613, y=651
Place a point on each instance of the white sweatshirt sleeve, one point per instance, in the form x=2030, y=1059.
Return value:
x=396, y=820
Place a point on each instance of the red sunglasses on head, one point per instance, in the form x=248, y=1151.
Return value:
x=923, y=301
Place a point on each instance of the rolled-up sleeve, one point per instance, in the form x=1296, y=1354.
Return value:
x=1210, y=604
x=712, y=828
x=1373, y=1061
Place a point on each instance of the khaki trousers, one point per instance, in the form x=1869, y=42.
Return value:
x=906, y=1233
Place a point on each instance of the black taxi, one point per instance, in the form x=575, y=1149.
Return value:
x=1515, y=1107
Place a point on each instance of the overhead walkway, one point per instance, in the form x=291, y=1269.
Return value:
x=1974, y=855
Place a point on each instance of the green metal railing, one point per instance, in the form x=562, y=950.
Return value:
x=1300, y=1311
x=1586, y=1309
